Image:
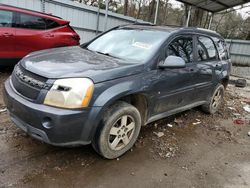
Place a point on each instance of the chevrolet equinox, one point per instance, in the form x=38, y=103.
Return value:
x=103, y=91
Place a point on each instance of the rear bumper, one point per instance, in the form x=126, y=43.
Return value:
x=60, y=127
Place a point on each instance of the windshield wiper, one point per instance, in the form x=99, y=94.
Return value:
x=107, y=54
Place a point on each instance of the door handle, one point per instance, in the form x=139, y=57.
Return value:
x=49, y=35
x=218, y=66
x=8, y=34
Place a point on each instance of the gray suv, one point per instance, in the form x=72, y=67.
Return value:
x=103, y=91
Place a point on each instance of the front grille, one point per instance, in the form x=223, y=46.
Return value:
x=28, y=84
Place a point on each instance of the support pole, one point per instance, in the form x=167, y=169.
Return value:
x=98, y=18
x=106, y=15
x=43, y=5
x=211, y=20
x=188, y=17
x=156, y=12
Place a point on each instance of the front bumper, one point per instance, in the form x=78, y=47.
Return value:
x=60, y=127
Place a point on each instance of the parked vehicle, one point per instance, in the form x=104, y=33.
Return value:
x=23, y=31
x=103, y=91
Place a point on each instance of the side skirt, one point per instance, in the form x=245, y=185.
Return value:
x=174, y=111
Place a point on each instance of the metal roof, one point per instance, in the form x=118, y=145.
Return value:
x=214, y=5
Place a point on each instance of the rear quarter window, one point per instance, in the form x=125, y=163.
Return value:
x=222, y=48
x=50, y=24
x=35, y=22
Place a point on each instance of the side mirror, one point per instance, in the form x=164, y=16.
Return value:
x=172, y=62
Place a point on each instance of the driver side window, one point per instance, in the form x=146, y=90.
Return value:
x=181, y=47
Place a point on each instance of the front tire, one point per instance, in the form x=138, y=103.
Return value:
x=215, y=100
x=118, y=130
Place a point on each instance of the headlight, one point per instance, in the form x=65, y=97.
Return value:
x=70, y=93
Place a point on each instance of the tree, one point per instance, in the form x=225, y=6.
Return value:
x=125, y=11
x=151, y=10
x=229, y=23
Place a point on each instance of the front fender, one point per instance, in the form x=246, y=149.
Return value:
x=117, y=89
x=114, y=90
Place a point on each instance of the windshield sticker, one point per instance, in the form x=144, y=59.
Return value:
x=142, y=45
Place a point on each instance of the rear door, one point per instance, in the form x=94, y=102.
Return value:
x=7, y=35
x=31, y=34
x=207, y=63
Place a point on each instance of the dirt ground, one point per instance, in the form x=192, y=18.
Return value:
x=196, y=150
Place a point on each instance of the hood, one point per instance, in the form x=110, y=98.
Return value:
x=69, y=62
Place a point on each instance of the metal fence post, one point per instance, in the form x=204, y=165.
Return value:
x=106, y=15
x=156, y=12
x=188, y=17
x=98, y=18
x=210, y=21
x=43, y=5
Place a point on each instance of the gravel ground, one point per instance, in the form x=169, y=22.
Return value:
x=190, y=149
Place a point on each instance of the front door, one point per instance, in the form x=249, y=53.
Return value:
x=174, y=86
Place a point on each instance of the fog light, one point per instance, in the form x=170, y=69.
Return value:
x=47, y=123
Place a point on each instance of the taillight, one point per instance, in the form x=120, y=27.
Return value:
x=76, y=37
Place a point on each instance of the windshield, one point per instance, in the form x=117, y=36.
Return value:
x=131, y=44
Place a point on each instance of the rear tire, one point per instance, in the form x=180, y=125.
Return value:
x=215, y=100
x=118, y=130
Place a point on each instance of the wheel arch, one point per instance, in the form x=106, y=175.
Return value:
x=224, y=81
x=138, y=100
x=129, y=91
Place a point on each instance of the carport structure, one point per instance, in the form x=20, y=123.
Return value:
x=212, y=6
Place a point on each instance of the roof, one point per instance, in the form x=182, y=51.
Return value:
x=214, y=5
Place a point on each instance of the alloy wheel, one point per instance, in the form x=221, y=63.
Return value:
x=217, y=99
x=121, y=132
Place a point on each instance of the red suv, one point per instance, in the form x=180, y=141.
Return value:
x=23, y=31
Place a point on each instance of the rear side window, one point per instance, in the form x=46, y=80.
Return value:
x=206, y=49
x=222, y=48
x=6, y=18
x=182, y=47
x=35, y=22
x=31, y=22
x=50, y=24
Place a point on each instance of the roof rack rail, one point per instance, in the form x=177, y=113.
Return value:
x=200, y=28
x=172, y=25
x=146, y=23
